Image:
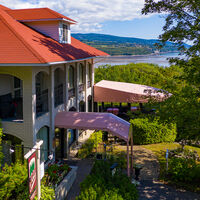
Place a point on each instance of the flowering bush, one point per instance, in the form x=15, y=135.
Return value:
x=55, y=174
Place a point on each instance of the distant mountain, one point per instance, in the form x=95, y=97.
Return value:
x=116, y=45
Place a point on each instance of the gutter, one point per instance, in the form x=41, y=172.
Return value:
x=46, y=64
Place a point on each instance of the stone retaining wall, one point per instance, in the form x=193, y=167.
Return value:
x=63, y=188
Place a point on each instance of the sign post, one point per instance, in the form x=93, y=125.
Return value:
x=33, y=157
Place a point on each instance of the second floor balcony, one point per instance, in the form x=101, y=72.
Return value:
x=58, y=92
x=42, y=105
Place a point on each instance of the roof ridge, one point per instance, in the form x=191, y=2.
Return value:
x=59, y=14
x=19, y=36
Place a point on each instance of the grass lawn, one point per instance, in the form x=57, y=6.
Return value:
x=160, y=151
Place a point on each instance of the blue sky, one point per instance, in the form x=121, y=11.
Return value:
x=148, y=28
x=115, y=17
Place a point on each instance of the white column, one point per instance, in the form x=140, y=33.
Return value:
x=51, y=108
x=92, y=86
x=77, y=85
x=77, y=94
x=86, y=82
x=66, y=88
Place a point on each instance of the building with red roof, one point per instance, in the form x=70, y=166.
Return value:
x=43, y=71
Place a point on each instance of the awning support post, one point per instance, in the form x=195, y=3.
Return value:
x=128, y=168
x=131, y=154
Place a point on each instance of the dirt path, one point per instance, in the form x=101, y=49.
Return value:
x=151, y=188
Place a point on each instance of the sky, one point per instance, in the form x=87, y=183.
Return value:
x=114, y=17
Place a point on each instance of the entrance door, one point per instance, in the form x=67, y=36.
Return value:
x=59, y=143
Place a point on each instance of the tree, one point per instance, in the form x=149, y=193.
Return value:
x=182, y=24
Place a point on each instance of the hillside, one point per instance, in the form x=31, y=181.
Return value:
x=115, y=45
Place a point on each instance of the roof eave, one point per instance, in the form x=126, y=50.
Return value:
x=50, y=19
x=45, y=64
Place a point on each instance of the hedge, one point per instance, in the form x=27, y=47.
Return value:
x=101, y=185
x=151, y=131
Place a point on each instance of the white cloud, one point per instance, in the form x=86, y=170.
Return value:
x=90, y=14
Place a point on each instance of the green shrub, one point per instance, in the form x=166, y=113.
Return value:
x=13, y=181
x=90, y=144
x=151, y=131
x=184, y=170
x=101, y=185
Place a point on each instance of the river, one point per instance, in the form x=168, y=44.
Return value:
x=160, y=59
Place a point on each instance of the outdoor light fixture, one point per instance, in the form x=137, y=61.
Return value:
x=12, y=150
x=50, y=156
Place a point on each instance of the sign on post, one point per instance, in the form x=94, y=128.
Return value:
x=32, y=175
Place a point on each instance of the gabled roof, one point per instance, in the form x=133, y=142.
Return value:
x=113, y=91
x=37, y=14
x=4, y=8
x=21, y=44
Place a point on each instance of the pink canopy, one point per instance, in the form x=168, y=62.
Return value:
x=112, y=91
x=94, y=121
x=98, y=121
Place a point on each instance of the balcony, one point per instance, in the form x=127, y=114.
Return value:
x=89, y=84
x=71, y=93
x=58, y=93
x=42, y=103
x=81, y=88
x=11, y=109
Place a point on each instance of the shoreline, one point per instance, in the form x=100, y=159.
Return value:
x=141, y=55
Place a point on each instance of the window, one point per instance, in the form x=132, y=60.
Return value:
x=65, y=33
x=17, y=87
x=71, y=77
x=81, y=74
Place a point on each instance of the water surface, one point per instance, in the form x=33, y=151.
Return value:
x=160, y=59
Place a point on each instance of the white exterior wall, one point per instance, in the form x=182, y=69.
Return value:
x=27, y=129
x=6, y=84
x=22, y=130
x=49, y=28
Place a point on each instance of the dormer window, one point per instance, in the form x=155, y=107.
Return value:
x=65, y=33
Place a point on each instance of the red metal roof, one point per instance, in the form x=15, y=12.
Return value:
x=4, y=8
x=36, y=14
x=113, y=91
x=21, y=44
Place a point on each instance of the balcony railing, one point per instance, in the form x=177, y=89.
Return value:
x=42, y=105
x=81, y=87
x=11, y=108
x=71, y=93
x=88, y=84
x=58, y=94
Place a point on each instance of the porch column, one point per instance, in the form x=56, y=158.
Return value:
x=131, y=154
x=92, y=86
x=77, y=95
x=66, y=88
x=51, y=109
x=86, y=85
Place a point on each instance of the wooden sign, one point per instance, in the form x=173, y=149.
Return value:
x=32, y=175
